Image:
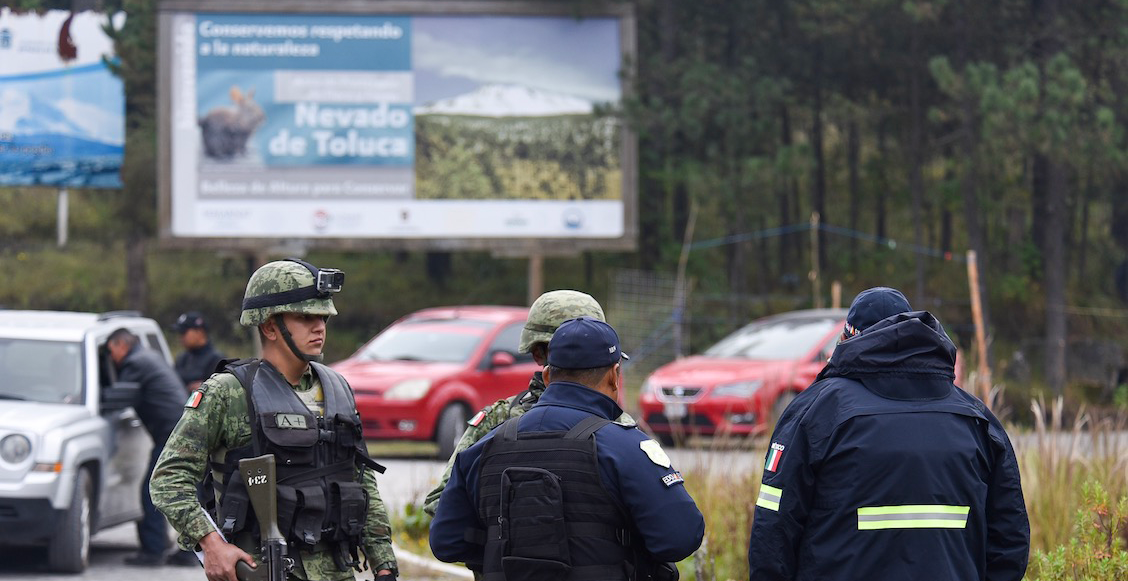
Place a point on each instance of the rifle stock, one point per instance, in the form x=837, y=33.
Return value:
x=260, y=480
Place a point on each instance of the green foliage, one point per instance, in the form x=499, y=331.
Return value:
x=572, y=157
x=413, y=522
x=1096, y=551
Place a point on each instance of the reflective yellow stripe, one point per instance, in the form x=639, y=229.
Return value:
x=913, y=516
x=769, y=497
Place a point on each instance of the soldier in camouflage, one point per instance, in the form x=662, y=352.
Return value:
x=547, y=313
x=289, y=303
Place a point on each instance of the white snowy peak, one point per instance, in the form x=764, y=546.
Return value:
x=508, y=101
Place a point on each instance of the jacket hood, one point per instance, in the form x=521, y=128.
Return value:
x=906, y=356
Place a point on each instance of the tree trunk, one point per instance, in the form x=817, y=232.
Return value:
x=1051, y=202
x=916, y=157
x=853, y=155
x=883, y=190
x=1055, y=277
x=136, y=271
x=969, y=181
x=818, y=190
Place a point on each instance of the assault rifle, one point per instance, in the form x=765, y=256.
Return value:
x=259, y=477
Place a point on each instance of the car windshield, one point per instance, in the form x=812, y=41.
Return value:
x=776, y=339
x=44, y=371
x=445, y=340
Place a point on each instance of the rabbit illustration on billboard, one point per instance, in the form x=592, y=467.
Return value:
x=226, y=130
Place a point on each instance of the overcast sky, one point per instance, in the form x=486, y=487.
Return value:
x=455, y=55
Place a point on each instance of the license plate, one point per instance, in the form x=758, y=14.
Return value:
x=674, y=411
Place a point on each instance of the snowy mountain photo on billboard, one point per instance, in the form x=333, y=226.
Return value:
x=508, y=101
x=505, y=108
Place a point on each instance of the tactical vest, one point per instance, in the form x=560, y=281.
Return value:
x=548, y=515
x=322, y=506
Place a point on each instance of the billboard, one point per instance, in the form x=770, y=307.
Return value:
x=62, y=112
x=407, y=125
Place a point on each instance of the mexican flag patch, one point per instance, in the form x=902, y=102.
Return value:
x=194, y=399
x=477, y=419
x=774, y=456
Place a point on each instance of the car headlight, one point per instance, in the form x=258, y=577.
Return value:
x=409, y=389
x=742, y=389
x=15, y=448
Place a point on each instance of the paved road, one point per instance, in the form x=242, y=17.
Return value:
x=406, y=481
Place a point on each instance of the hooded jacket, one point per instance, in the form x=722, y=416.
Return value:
x=885, y=469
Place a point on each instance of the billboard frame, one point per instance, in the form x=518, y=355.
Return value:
x=501, y=246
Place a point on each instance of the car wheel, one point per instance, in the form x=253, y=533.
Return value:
x=449, y=429
x=667, y=440
x=785, y=398
x=69, y=551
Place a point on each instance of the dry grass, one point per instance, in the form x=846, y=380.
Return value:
x=1056, y=461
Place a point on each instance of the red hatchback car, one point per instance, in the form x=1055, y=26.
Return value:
x=426, y=374
x=738, y=386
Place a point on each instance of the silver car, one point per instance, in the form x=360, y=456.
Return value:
x=73, y=452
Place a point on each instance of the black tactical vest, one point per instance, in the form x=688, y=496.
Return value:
x=548, y=515
x=322, y=504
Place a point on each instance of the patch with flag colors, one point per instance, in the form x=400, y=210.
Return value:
x=774, y=456
x=195, y=399
x=477, y=419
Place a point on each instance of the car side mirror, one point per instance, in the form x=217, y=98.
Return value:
x=120, y=395
x=501, y=359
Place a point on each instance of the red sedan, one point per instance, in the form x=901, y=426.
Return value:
x=427, y=373
x=738, y=386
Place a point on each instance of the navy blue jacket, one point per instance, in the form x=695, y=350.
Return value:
x=162, y=393
x=884, y=469
x=197, y=364
x=663, y=512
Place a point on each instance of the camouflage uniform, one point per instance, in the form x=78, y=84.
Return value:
x=216, y=420
x=547, y=312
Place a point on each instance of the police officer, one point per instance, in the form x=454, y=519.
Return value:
x=885, y=469
x=545, y=315
x=292, y=406
x=158, y=406
x=199, y=358
x=562, y=492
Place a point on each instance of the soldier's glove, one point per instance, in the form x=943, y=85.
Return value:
x=386, y=577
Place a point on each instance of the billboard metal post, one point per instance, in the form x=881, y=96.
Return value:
x=63, y=206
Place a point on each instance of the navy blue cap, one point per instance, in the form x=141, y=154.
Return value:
x=584, y=343
x=875, y=304
x=189, y=320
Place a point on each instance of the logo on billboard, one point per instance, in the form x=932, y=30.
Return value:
x=573, y=219
x=321, y=220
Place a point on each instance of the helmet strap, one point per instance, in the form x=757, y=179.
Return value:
x=289, y=339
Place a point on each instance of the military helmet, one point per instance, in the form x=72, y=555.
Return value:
x=553, y=308
x=289, y=286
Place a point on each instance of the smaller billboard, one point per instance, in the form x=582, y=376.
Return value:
x=62, y=112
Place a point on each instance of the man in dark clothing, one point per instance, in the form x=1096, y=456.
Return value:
x=159, y=406
x=200, y=357
x=620, y=507
x=885, y=469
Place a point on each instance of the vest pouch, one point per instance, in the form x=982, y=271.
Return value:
x=522, y=569
x=287, y=508
x=349, y=509
x=234, y=508
x=533, y=529
x=291, y=437
x=310, y=515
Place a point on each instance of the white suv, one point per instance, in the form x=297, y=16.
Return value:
x=73, y=452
